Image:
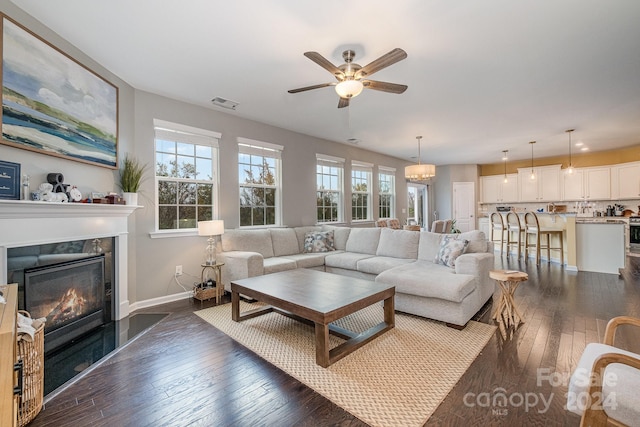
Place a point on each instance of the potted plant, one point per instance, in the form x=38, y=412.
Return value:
x=130, y=178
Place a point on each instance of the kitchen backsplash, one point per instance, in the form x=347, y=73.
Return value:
x=589, y=207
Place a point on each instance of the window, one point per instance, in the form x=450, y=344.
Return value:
x=361, y=191
x=259, y=178
x=329, y=188
x=386, y=192
x=186, y=175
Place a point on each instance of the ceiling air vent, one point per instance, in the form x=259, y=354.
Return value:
x=224, y=103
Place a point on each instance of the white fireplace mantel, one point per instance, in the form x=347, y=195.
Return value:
x=26, y=223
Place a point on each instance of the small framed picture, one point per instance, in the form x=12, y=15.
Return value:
x=9, y=180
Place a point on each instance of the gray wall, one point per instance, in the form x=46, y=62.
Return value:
x=442, y=187
x=156, y=258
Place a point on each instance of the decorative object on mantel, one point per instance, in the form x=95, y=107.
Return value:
x=41, y=119
x=116, y=199
x=47, y=194
x=130, y=178
x=419, y=172
x=57, y=180
x=9, y=180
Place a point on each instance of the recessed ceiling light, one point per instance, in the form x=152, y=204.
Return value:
x=579, y=144
x=584, y=149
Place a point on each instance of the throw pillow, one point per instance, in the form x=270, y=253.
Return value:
x=450, y=249
x=319, y=241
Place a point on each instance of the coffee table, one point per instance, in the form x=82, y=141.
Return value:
x=317, y=298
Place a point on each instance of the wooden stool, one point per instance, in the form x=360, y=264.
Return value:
x=508, y=281
x=497, y=227
x=514, y=226
x=533, y=229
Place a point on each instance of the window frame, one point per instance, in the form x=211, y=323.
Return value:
x=266, y=150
x=391, y=172
x=323, y=160
x=366, y=168
x=179, y=133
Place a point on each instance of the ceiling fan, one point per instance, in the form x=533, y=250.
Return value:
x=353, y=78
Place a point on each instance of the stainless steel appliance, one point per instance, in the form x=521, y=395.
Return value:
x=634, y=233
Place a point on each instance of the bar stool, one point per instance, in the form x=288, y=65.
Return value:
x=497, y=226
x=514, y=226
x=533, y=229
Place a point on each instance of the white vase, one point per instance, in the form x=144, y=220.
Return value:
x=130, y=198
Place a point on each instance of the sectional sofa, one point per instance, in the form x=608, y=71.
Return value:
x=431, y=280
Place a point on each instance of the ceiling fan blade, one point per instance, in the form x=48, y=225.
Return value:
x=384, y=86
x=324, y=63
x=302, y=89
x=384, y=61
x=344, y=102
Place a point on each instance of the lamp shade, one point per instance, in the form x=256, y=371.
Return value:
x=419, y=172
x=211, y=228
x=349, y=88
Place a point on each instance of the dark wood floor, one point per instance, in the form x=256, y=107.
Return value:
x=185, y=372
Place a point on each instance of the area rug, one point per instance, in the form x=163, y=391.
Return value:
x=398, y=379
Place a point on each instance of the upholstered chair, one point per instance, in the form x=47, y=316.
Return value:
x=604, y=387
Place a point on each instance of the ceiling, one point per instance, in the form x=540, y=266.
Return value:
x=483, y=76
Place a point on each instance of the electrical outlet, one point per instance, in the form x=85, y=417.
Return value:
x=178, y=270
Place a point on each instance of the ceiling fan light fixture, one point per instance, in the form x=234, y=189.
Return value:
x=349, y=88
x=419, y=172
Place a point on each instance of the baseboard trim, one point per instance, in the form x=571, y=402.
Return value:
x=159, y=300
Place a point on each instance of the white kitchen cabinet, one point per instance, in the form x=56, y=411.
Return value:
x=544, y=188
x=495, y=190
x=573, y=186
x=625, y=181
x=587, y=184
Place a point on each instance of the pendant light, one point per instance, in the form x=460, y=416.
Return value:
x=533, y=175
x=504, y=159
x=570, y=168
x=419, y=172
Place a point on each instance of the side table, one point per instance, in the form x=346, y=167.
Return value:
x=508, y=280
x=202, y=294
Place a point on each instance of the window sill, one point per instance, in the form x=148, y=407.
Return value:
x=165, y=234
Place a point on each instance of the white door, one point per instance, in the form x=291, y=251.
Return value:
x=464, y=196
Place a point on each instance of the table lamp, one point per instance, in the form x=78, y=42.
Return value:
x=210, y=228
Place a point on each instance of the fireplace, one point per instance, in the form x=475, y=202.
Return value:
x=70, y=295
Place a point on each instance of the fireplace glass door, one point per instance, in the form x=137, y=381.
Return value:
x=70, y=295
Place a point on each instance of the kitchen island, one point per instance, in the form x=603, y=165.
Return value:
x=601, y=244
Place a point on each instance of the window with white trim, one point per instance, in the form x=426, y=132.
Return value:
x=361, y=191
x=329, y=188
x=386, y=192
x=259, y=165
x=186, y=175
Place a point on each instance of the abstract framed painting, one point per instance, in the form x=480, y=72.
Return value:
x=54, y=105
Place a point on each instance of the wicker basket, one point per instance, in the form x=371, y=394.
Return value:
x=32, y=355
x=204, y=293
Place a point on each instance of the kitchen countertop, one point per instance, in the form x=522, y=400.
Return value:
x=602, y=220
